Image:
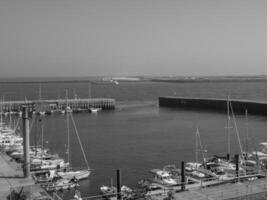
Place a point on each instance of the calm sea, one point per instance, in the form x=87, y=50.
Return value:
x=138, y=135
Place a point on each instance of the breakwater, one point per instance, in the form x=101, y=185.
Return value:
x=239, y=106
x=48, y=105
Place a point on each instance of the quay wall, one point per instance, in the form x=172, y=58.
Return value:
x=239, y=106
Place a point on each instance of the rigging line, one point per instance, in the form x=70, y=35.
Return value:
x=17, y=124
x=33, y=119
x=237, y=132
x=200, y=144
x=76, y=131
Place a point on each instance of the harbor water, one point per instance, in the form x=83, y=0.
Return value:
x=138, y=135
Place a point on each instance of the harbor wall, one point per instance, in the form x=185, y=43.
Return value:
x=239, y=106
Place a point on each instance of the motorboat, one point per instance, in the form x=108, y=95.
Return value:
x=163, y=177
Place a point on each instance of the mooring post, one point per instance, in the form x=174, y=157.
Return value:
x=237, y=165
x=182, y=176
x=228, y=156
x=118, y=184
x=26, y=142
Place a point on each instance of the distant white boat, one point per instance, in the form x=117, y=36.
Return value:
x=42, y=113
x=68, y=109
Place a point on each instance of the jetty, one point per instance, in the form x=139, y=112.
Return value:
x=215, y=104
x=57, y=104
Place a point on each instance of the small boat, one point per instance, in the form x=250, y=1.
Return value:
x=68, y=109
x=109, y=191
x=81, y=174
x=163, y=177
x=62, y=184
x=48, y=176
x=42, y=113
x=77, y=195
x=93, y=110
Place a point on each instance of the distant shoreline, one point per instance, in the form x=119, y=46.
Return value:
x=188, y=79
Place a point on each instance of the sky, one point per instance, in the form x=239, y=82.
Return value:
x=48, y=38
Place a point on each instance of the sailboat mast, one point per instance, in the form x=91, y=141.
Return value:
x=196, y=143
x=42, y=140
x=247, y=131
x=40, y=92
x=1, y=111
x=228, y=127
x=68, y=137
x=89, y=90
x=35, y=136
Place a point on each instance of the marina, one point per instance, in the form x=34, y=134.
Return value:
x=133, y=100
x=250, y=185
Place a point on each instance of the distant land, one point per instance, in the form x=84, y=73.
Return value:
x=118, y=79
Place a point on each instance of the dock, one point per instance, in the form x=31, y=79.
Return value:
x=214, y=104
x=255, y=190
x=56, y=104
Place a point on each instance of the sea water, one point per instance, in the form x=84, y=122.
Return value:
x=138, y=135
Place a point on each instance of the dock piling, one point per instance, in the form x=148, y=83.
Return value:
x=228, y=156
x=118, y=172
x=26, y=142
x=182, y=176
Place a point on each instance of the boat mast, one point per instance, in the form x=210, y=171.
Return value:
x=40, y=92
x=1, y=111
x=42, y=140
x=35, y=136
x=68, y=129
x=89, y=94
x=247, y=131
x=196, y=146
x=228, y=127
x=201, y=147
x=237, y=132
x=89, y=90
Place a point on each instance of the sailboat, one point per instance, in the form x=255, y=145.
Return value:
x=71, y=174
x=41, y=111
x=68, y=108
x=91, y=109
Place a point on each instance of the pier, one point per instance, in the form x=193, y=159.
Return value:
x=239, y=106
x=58, y=104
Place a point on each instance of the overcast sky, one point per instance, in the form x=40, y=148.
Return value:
x=132, y=37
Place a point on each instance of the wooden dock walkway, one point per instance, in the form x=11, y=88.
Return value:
x=256, y=189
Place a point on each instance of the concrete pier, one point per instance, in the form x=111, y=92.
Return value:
x=239, y=106
x=52, y=104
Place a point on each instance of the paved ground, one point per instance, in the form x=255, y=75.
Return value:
x=11, y=177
